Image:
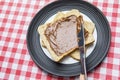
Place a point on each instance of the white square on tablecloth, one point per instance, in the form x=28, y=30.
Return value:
x=5, y=64
x=7, y=1
x=23, y=36
x=2, y=15
x=109, y=18
x=8, y=25
x=22, y=9
x=30, y=10
x=118, y=29
x=91, y=0
x=2, y=43
x=10, y=16
x=109, y=9
x=5, y=8
x=19, y=18
x=20, y=46
x=16, y=1
x=5, y=34
x=13, y=8
x=116, y=50
x=11, y=77
x=101, y=1
x=33, y=2
x=2, y=74
x=90, y=78
x=32, y=79
x=11, y=44
x=115, y=73
x=22, y=77
x=118, y=20
x=14, y=66
x=116, y=61
x=17, y=26
x=17, y=55
x=8, y=54
x=102, y=70
x=25, y=27
x=42, y=3
x=34, y=69
x=117, y=39
x=110, y=1
x=100, y=7
x=28, y=18
x=26, y=2
x=27, y=57
x=118, y=10
x=24, y=67
x=14, y=35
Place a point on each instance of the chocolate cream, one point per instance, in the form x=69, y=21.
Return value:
x=62, y=35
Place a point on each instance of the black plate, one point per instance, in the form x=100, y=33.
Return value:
x=97, y=55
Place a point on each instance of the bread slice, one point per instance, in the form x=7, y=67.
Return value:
x=42, y=28
x=89, y=40
x=89, y=26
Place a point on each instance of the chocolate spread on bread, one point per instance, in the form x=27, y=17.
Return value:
x=62, y=34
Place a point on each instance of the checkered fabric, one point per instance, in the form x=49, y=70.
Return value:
x=15, y=61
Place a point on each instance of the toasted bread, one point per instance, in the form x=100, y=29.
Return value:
x=89, y=39
x=45, y=42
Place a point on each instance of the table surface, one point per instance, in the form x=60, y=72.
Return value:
x=15, y=61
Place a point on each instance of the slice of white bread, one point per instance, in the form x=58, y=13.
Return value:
x=42, y=28
x=89, y=39
x=89, y=26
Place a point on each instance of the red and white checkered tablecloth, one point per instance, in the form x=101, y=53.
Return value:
x=15, y=61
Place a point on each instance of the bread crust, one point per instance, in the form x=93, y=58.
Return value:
x=42, y=28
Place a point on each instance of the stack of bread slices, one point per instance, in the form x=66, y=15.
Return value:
x=73, y=50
